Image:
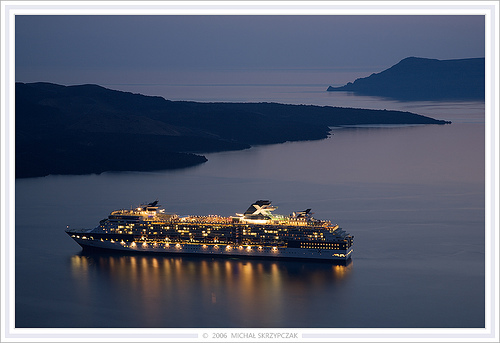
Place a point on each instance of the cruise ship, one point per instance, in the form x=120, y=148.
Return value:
x=257, y=232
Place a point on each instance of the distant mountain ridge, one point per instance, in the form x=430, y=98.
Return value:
x=415, y=78
x=90, y=129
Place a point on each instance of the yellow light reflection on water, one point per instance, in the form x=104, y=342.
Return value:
x=248, y=290
x=79, y=264
x=341, y=271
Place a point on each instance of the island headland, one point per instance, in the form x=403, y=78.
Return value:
x=415, y=78
x=88, y=129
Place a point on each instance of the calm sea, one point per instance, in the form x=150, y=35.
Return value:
x=413, y=197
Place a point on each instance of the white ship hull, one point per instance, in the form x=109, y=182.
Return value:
x=215, y=249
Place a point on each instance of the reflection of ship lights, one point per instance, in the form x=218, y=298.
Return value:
x=341, y=271
x=80, y=263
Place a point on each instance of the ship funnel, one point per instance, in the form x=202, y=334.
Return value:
x=259, y=210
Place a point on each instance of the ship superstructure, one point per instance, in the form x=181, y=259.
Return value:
x=255, y=233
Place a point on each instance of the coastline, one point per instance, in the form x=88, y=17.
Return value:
x=89, y=129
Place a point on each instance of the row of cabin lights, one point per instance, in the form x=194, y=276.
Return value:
x=178, y=245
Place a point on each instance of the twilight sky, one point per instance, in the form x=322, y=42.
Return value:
x=186, y=49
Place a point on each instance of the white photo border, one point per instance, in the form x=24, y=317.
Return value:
x=9, y=9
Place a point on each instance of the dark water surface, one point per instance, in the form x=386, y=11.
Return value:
x=413, y=197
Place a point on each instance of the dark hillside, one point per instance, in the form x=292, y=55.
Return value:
x=91, y=129
x=424, y=79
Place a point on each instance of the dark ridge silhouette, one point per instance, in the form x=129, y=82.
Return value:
x=424, y=79
x=90, y=129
